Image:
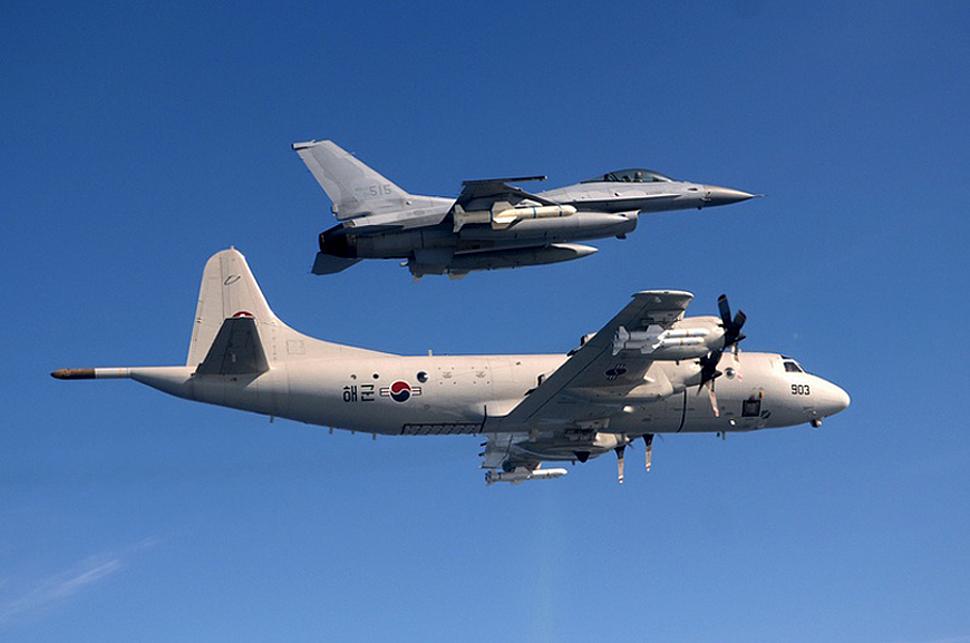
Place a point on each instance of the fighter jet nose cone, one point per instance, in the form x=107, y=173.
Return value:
x=716, y=195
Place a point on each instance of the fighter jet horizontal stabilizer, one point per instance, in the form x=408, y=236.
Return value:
x=329, y=264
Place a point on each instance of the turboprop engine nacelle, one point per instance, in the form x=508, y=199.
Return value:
x=502, y=214
x=521, y=474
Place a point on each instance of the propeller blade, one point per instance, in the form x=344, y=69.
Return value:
x=648, y=441
x=724, y=308
x=732, y=327
x=709, y=366
x=619, y=462
x=739, y=319
x=713, y=397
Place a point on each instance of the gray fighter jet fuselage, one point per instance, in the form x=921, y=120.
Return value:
x=492, y=224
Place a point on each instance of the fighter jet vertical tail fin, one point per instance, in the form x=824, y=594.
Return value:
x=228, y=291
x=355, y=189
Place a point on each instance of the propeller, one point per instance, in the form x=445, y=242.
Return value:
x=619, y=462
x=708, y=363
x=709, y=373
x=732, y=335
x=732, y=326
x=648, y=442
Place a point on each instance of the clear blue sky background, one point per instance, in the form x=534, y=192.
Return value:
x=138, y=140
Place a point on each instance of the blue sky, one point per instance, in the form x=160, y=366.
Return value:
x=137, y=140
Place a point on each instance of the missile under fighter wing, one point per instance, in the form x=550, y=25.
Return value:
x=491, y=224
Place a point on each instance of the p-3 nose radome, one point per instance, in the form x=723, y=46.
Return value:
x=834, y=400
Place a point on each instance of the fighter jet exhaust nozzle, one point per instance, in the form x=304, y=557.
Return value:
x=336, y=243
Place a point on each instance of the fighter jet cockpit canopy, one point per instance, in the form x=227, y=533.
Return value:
x=632, y=175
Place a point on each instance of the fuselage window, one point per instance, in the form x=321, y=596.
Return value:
x=792, y=367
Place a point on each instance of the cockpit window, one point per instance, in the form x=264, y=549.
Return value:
x=791, y=366
x=633, y=175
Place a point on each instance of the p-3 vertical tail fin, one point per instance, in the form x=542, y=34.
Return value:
x=228, y=292
x=236, y=332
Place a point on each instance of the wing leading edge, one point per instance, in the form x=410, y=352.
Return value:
x=597, y=365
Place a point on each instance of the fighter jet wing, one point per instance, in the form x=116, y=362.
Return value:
x=581, y=388
x=480, y=194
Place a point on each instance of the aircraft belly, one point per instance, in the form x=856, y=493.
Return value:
x=260, y=393
x=403, y=244
x=660, y=416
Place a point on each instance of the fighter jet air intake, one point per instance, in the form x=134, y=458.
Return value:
x=491, y=224
x=649, y=370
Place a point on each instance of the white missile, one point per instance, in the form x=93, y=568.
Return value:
x=505, y=218
x=503, y=214
x=521, y=474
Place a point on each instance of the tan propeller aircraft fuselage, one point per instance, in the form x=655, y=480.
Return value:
x=649, y=370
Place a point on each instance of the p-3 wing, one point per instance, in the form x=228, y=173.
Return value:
x=597, y=371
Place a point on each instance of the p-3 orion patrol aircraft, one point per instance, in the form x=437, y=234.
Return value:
x=649, y=370
x=492, y=224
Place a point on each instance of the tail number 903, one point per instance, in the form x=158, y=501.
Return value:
x=800, y=389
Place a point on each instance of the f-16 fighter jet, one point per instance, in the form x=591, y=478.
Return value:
x=649, y=370
x=492, y=224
